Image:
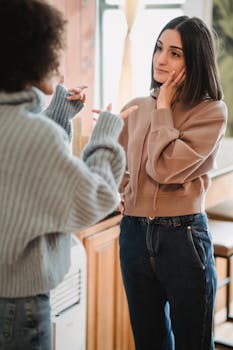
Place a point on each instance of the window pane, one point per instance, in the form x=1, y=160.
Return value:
x=145, y=31
x=114, y=30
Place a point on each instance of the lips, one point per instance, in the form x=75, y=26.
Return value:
x=158, y=70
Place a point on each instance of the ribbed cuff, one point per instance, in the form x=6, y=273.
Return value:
x=61, y=110
x=60, y=106
x=104, y=135
x=107, y=125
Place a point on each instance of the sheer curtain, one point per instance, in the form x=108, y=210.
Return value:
x=125, y=83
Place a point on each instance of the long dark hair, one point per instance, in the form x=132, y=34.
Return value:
x=202, y=80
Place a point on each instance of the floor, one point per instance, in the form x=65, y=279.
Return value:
x=223, y=330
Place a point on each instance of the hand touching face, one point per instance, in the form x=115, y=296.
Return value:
x=168, y=90
x=168, y=57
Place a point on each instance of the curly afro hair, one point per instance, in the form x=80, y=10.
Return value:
x=31, y=39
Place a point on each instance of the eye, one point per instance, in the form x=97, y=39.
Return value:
x=175, y=54
x=158, y=47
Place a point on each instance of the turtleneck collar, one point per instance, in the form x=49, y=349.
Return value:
x=33, y=99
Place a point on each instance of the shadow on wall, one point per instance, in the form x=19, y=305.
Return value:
x=223, y=25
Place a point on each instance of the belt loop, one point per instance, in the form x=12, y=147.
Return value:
x=177, y=221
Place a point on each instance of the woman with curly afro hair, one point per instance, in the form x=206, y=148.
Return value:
x=46, y=192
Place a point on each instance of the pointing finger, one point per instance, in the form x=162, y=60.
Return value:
x=109, y=107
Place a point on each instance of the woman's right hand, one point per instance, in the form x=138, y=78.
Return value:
x=169, y=89
x=76, y=94
x=123, y=114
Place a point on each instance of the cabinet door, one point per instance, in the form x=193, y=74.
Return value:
x=108, y=326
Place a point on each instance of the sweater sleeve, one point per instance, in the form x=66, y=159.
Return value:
x=61, y=110
x=123, y=140
x=177, y=156
x=97, y=192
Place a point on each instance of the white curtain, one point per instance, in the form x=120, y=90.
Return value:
x=125, y=83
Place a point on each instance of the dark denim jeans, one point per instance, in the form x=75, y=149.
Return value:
x=169, y=261
x=25, y=323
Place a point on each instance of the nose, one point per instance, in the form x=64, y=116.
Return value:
x=161, y=57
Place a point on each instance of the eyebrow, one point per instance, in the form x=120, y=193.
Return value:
x=172, y=46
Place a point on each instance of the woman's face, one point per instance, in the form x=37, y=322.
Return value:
x=168, y=56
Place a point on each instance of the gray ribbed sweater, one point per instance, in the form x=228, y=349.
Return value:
x=45, y=191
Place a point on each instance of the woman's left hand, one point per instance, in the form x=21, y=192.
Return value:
x=169, y=88
x=123, y=115
x=77, y=94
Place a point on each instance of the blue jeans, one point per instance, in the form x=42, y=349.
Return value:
x=25, y=323
x=169, y=261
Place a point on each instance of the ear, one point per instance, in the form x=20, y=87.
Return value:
x=46, y=85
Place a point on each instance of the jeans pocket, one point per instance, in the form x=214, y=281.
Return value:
x=197, y=248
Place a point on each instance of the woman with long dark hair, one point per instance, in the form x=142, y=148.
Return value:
x=171, y=142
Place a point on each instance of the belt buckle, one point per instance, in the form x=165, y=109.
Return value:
x=151, y=217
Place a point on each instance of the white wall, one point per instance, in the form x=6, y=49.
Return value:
x=199, y=8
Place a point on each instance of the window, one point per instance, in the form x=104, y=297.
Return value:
x=150, y=19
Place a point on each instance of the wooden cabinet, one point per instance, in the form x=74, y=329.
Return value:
x=108, y=326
